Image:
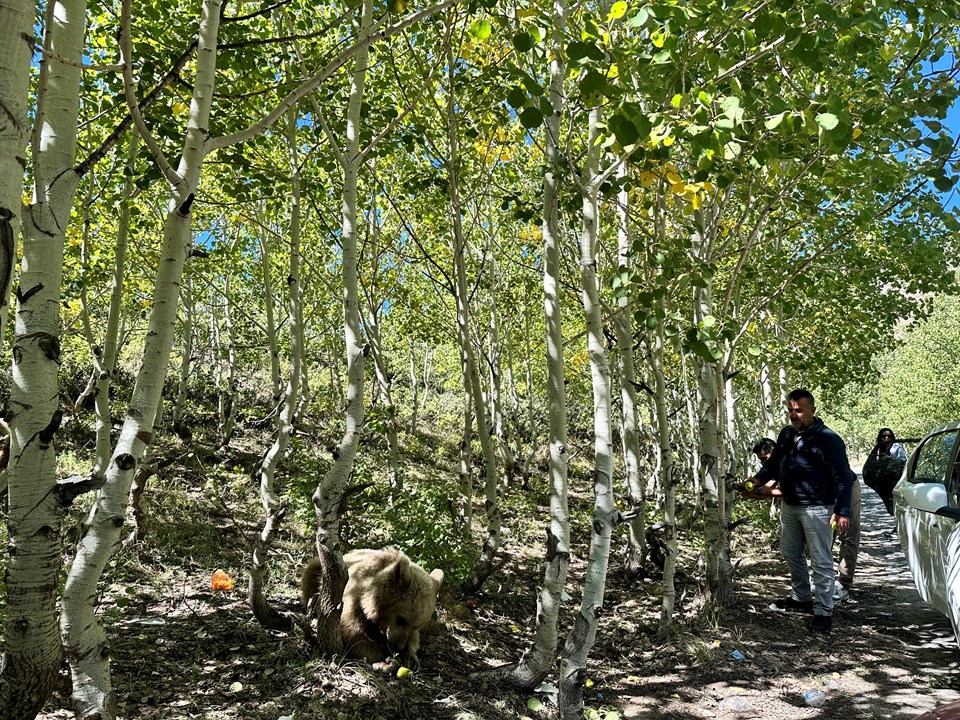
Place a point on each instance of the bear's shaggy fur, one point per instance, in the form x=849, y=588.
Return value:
x=387, y=600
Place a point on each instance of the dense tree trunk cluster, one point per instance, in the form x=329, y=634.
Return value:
x=709, y=208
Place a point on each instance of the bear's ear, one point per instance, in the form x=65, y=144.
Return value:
x=437, y=576
x=398, y=572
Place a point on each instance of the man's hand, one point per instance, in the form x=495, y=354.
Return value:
x=840, y=523
x=751, y=489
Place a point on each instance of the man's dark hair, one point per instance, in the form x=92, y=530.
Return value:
x=764, y=444
x=799, y=394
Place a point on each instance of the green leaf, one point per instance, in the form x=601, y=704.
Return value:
x=730, y=106
x=534, y=704
x=523, y=42
x=774, y=122
x=828, y=121
x=639, y=19
x=593, y=83
x=531, y=118
x=516, y=98
x=944, y=183
x=624, y=129
x=754, y=351
x=481, y=30
x=579, y=52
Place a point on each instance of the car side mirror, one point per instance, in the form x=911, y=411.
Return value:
x=929, y=497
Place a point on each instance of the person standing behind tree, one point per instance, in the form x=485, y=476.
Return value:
x=810, y=464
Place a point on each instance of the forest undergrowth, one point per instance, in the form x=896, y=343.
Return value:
x=181, y=649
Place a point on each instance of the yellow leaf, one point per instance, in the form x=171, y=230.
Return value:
x=678, y=188
x=647, y=178
x=588, y=682
x=515, y=628
x=857, y=132
x=180, y=108
x=618, y=10
x=613, y=71
x=673, y=177
x=658, y=38
x=668, y=140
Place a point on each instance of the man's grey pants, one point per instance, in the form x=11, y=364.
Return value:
x=806, y=531
x=850, y=541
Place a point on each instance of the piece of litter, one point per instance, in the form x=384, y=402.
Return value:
x=737, y=655
x=735, y=703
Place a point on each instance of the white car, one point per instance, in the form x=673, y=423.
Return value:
x=928, y=519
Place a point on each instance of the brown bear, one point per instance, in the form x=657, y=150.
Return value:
x=386, y=601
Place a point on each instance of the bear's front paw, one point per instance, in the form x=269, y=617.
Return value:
x=385, y=666
x=410, y=660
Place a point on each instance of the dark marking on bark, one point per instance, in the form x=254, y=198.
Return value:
x=50, y=346
x=22, y=297
x=126, y=461
x=184, y=209
x=145, y=436
x=8, y=253
x=198, y=252
x=46, y=435
x=117, y=522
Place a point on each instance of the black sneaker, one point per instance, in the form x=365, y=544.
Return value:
x=788, y=604
x=821, y=624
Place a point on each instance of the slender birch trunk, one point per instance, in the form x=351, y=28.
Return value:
x=111, y=339
x=486, y=563
x=501, y=433
x=540, y=658
x=16, y=19
x=573, y=664
x=186, y=359
x=463, y=512
x=629, y=421
x=329, y=493
x=767, y=391
x=83, y=636
x=31, y=659
x=716, y=532
x=668, y=483
x=381, y=371
x=227, y=401
x=274, y=508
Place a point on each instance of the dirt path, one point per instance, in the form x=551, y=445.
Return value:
x=889, y=656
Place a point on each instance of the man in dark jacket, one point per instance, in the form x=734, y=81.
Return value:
x=810, y=464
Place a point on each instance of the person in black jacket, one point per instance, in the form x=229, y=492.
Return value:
x=810, y=467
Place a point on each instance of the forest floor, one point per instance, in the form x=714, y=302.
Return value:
x=182, y=651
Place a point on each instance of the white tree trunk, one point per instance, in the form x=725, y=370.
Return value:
x=667, y=482
x=573, y=665
x=84, y=638
x=16, y=19
x=32, y=654
x=327, y=497
x=111, y=338
x=629, y=420
x=533, y=668
x=186, y=359
x=465, y=337
x=274, y=508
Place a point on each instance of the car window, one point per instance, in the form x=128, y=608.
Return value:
x=933, y=459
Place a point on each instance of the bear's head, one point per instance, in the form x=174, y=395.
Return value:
x=405, y=596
